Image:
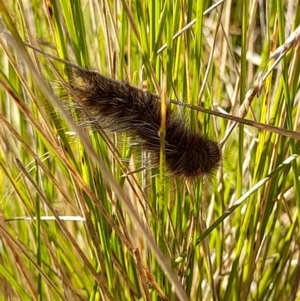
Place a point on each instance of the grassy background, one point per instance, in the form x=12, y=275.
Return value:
x=73, y=227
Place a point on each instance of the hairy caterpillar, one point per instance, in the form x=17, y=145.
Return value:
x=119, y=107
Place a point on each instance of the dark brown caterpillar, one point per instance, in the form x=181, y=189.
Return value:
x=117, y=106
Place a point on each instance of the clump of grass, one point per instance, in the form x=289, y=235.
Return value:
x=78, y=224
